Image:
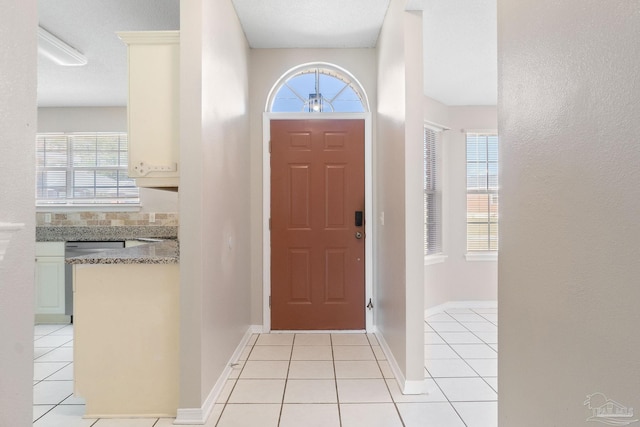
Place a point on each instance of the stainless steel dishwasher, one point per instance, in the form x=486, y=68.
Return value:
x=73, y=249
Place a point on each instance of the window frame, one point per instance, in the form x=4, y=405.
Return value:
x=325, y=68
x=489, y=252
x=69, y=201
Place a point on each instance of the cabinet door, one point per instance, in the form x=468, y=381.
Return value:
x=50, y=285
x=153, y=107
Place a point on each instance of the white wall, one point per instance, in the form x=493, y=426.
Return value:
x=568, y=271
x=82, y=119
x=103, y=119
x=214, y=194
x=18, y=63
x=457, y=279
x=267, y=66
x=398, y=265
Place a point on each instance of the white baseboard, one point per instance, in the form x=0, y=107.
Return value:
x=199, y=416
x=459, y=304
x=58, y=319
x=407, y=387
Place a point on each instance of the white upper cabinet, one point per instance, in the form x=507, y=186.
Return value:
x=153, y=108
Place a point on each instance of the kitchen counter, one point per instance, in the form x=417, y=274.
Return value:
x=48, y=233
x=164, y=252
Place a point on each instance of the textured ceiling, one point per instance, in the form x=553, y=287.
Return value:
x=90, y=26
x=459, y=39
x=311, y=23
x=460, y=47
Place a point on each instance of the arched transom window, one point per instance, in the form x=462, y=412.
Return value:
x=317, y=88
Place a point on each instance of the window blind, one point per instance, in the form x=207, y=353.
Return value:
x=432, y=194
x=88, y=168
x=482, y=192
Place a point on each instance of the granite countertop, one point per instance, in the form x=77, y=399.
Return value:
x=164, y=252
x=50, y=233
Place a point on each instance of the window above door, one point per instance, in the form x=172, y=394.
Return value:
x=317, y=88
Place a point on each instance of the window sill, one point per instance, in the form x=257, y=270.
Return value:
x=91, y=208
x=481, y=256
x=434, y=259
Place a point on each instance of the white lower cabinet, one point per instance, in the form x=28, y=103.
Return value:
x=49, y=278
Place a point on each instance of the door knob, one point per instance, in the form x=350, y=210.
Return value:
x=358, y=235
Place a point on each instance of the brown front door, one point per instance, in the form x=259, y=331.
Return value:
x=317, y=260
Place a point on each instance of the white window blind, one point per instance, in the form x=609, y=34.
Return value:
x=432, y=194
x=482, y=192
x=83, y=168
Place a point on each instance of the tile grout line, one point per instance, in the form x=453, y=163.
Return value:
x=235, y=382
x=286, y=379
x=464, y=359
x=395, y=404
x=335, y=380
x=35, y=360
x=436, y=382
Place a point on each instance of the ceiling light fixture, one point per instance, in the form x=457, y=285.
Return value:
x=315, y=103
x=58, y=51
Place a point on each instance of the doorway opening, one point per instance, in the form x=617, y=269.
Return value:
x=320, y=92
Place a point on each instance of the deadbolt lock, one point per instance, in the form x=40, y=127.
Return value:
x=358, y=235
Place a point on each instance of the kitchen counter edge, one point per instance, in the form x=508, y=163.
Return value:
x=165, y=252
x=103, y=233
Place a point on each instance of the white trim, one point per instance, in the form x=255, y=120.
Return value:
x=199, y=416
x=149, y=37
x=58, y=319
x=407, y=387
x=435, y=259
x=481, y=256
x=435, y=126
x=459, y=304
x=58, y=50
x=124, y=207
x=266, y=205
x=480, y=131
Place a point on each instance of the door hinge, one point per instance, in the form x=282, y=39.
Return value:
x=269, y=301
x=269, y=146
x=269, y=223
x=370, y=305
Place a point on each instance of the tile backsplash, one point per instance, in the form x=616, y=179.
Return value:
x=115, y=219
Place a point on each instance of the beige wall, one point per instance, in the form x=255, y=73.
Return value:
x=103, y=119
x=267, y=66
x=457, y=279
x=568, y=271
x=214, y=194
x=398, y=265
x=18, y=63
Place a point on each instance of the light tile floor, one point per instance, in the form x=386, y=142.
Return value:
x=308, y=380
